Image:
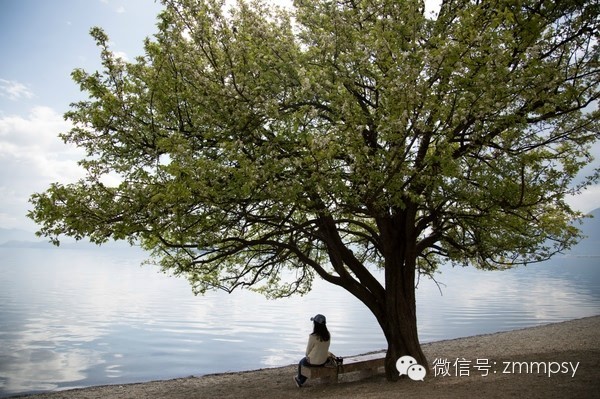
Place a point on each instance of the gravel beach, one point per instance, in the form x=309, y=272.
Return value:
x=560, y=360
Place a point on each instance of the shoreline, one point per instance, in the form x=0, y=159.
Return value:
x=554, y=360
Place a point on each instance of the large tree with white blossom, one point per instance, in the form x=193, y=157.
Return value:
x=260, y=147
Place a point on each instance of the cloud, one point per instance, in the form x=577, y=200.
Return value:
x=120, y=10
x=14, y=90
x=31, y=157
x=122, y=55
x=587, y=201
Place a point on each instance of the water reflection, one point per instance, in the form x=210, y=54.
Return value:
x=72, y=318
x=479, y=302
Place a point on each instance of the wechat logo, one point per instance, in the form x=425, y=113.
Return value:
x=407, y=365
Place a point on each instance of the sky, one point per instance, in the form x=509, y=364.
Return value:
x=41, y=42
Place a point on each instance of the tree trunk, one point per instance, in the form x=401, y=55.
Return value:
x=394, y=305
x=399, y=319
x=400, y=326
x=402, y=338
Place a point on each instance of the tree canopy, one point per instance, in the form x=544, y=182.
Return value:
x=256, y=146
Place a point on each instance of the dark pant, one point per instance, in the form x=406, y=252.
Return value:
x=304, y=362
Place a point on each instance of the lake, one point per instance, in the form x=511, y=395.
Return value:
x=80, y=317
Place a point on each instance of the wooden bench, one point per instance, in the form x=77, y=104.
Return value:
x=367, y=365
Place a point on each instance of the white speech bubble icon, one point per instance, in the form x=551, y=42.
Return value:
x=416, y=372
x=404, y=363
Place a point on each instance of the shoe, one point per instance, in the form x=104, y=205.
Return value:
x=297, y=381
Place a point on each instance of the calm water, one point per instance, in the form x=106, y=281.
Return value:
x=80, y=317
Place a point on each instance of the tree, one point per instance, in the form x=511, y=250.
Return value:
x=257, y=147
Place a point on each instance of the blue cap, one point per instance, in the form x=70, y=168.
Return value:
x=318, y=319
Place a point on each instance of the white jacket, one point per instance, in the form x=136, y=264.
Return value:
x=317, y=350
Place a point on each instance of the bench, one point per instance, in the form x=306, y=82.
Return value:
x=367, y=365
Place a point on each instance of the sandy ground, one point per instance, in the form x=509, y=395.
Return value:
x=572, y=348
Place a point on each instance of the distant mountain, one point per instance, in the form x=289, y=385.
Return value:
x=7, y=235
x=15, y=238
x=590, y=245
x=25, y=244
